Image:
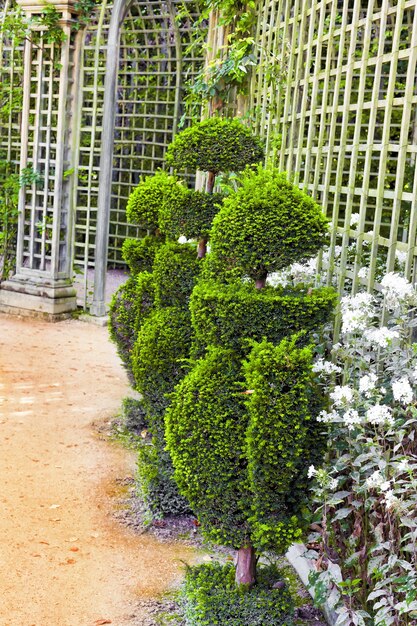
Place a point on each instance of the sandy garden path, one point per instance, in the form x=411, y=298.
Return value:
x=64, y=561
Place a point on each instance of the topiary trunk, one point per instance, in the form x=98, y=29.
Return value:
x=246, y=566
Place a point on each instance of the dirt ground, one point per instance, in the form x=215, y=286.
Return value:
x=64, y=560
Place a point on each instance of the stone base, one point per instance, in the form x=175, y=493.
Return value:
x=51, y=300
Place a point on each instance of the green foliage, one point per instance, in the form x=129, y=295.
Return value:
x=139, y=254
x=9, y=195
x=134, y=415
x=280, y=437
x=193, y=218
x=146, y=200
x=49, y=23
x=162, y=343
x=130, y=305
x=215, y=145
x=267, y=225
x=205, y=434
x=155, y=482
x=211, y=597
x=229, y=315
x=175, y=273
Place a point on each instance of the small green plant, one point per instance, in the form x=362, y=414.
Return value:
x=211, y=597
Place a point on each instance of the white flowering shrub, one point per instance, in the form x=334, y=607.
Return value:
x=366, y=493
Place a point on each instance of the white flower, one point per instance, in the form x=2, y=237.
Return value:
x=397, y=289
x=382, y=391
x=384, y=486
x=401, y=256
x=182, y=239
x=381, y=337
x=327, y=367
x=363, y=272
x=326, y=417
x=354, y=219
x=391, y=501
x=403, y=465
x=375, y=480
x=379, y=414
x=401, y=390
x=357, y=311
x=367, y=383
x=342, y=395
x=278, y=279
x=333, y=483
x=311, y=471
x=351, y=418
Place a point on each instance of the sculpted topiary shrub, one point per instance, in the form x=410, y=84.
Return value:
x=282, y=438
x=175, y=272
x=193, y=218
x=215, y=145
x=267, y=225
x=145, y=201
x=130, y=306
x=139, y=254
x=229, y=315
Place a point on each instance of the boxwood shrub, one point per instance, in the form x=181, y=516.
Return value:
x=134, y=415
x=229, y=315
x=266, y=225
x=205, y=434
x=176, y=269
x=163, y=342
x=129, y=307
x=139, y=254
x=210, y=597
x=155, y=482
x=279, y=438
x=193, y=218
x=146, y=199
x=215, y=145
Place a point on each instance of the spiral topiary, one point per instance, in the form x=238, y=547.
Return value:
x=215, y=145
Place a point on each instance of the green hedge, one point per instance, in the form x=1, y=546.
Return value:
x=193, y=218
x=229, y=315
x=155, y=483
x=129, y=307
x=215, y=145
x=210, y=598
x=146, y=199
x=139, y=254
x=162, y=344
x=279, y=436
x=134, y=415
x=266, y=225
x=205, y=434
x=176, y=270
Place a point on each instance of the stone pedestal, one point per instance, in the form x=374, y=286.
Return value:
x=28, y=297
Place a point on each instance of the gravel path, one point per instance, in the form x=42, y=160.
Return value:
x=64, y=559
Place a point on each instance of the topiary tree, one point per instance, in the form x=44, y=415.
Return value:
x=265, y=226
x=175, y=273
x=239, y=455
x=222, y=448
x=139, y=254
x=214, y=145
x=192, y=218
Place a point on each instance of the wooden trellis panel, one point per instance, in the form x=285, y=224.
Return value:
x=335, y=96
x=154, y=64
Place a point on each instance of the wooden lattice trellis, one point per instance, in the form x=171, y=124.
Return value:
x=335, y=95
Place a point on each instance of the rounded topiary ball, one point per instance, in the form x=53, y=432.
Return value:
x=139, y=254
x=193, y=218
x=215, y=145
x=176, y=270
x=268, y=224
x=145, y=201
